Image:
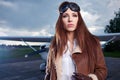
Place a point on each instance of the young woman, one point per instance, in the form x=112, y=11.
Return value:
x=74, y=53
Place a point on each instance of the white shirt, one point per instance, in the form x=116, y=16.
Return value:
x=68, y=66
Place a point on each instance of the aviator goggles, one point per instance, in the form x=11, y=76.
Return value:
x=71, y=5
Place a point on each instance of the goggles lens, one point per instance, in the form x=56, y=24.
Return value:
x=72, y=6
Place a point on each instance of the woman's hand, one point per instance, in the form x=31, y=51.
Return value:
x=79, y=76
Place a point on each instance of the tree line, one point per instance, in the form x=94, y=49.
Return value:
x=113, y=27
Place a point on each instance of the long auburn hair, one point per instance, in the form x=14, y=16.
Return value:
x=86, y=41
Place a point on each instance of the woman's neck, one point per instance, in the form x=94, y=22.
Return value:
x=70, y=36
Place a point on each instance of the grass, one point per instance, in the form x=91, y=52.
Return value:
x=115, y=54
x=7, y=53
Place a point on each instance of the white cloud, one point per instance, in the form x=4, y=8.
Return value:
x=4, y=25
x=90, y=18
x=7, y=30
x=3, y=34
x=42, y=32
x=91, y=21
x=37, y=30
x=97, y=30
x=21, y=32
x=3, y=22
x=8, y=4
x=3, y=28
x=3, y=31
x=114, y=4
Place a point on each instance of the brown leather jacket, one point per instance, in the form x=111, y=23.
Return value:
x=84, y=64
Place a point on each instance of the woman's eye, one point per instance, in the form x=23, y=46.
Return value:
x=64, y=16
x=74, y=15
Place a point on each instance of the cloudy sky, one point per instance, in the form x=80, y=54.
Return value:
x=38, y=17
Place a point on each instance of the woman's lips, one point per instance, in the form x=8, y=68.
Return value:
x=70, y=25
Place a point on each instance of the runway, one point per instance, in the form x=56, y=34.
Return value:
x=113, y=65
x=29, y=70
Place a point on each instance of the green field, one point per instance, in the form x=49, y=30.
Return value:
x=7, y=53
x=115, y=54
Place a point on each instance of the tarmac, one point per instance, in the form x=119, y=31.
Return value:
x=113, y=65
x=29, y=69
x=21, y=70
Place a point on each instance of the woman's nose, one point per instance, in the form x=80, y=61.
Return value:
x=70, y=19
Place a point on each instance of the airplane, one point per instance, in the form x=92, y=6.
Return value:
x=44, y=48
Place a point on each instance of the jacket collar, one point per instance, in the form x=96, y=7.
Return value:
x=76, y=48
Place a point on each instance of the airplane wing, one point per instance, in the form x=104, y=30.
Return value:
x=27, y=39
x=109, y=36
x=103, y=37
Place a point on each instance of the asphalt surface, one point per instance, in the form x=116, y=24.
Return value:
x=29, y=69
x=113, y=65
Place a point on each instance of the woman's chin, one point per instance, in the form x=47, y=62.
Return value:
x=70, y=29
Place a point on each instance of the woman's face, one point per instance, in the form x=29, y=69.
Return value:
x=70, y=20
